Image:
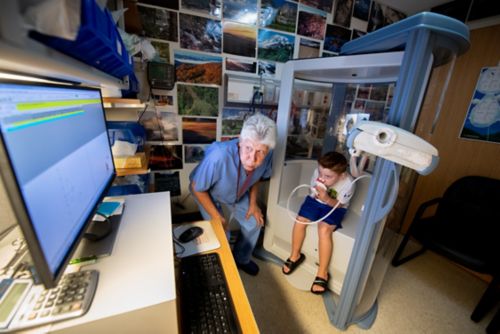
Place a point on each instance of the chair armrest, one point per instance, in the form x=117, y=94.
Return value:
x=421, y=209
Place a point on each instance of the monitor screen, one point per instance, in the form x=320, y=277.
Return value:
x=56, y=164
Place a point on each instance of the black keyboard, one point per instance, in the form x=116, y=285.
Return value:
x=206, y=306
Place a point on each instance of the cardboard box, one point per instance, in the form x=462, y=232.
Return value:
x=135, y=161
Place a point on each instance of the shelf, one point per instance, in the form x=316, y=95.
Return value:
x=131, y=171
x=119, y=103
x=135, y=171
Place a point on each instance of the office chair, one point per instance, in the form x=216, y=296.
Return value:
x=464, y=230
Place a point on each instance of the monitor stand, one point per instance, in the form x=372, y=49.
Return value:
x=102, y=246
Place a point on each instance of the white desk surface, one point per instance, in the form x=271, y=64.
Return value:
x=135, y=276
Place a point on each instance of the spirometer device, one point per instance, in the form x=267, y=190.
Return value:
x=393, y=144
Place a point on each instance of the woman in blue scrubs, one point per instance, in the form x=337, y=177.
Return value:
x=229, y=174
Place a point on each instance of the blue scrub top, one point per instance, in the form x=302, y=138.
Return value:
x=218, y=171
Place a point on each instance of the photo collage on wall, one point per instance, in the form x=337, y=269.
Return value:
x=205, y=39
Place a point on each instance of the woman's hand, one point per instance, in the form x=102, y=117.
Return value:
x=223, y=221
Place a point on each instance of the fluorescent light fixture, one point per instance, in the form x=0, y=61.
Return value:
x=20, y=77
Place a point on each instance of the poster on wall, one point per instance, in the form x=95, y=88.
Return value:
x=278, y=15
x=199, y=33
x=199, y=130
x=198, y=100
x=210, y=7
x=239, y=39
x=243, y=11
x=482, y=121
x=197, y=68
x=275, y=46
x=158, y=23
x=311, y=23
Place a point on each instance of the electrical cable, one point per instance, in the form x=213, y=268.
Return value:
x=146, y=105
x=329, y=213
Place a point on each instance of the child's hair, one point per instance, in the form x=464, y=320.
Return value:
x=334, y=161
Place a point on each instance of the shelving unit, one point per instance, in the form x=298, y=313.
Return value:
x=23, y=55
x=118, y=109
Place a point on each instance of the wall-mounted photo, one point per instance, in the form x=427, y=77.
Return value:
x=199, y=130
x=275, y=46
x=193, y=153
x=163, y=100
x=267, y=68
x=342, y=14
x=232, y=120
x=377, y=110
x=197, y=100
x=379, y=92
x=358, y=106
x=376, y=19
x=160, y=126
x=165, y=157
x=209, y=7
x=482, y=121
x=240, y=65
x=311, y=23
x=197, y=68
x=363, y=91
x=308, y=48
x=336, y=36
x=361, y=9
x=162, y=51
x=158, y=23
x=167, y=181
x=324, y=5
x=239, y=39
x=392, y=15
x=199, y=33
x=243, y=11
x=278, y=15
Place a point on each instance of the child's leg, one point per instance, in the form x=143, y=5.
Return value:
x=298, y=236
x=325, y=251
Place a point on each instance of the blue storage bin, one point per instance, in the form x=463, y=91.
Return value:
x=98, y=42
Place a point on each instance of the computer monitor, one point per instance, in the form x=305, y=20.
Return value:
x=56, y=165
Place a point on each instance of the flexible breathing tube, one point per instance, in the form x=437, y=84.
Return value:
x=329, y=213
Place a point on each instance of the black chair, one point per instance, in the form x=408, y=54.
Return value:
x=464, y=230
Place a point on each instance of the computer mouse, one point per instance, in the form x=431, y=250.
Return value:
x=190, y=234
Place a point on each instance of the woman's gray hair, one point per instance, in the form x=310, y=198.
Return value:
x=259, y=128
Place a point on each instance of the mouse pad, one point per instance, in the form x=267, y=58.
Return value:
x=207, y=241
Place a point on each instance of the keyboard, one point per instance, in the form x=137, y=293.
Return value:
x=206, y=305
x=70, y=299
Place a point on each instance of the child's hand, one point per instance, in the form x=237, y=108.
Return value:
x=321, y=189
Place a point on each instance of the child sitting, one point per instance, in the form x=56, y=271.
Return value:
x=328, y=181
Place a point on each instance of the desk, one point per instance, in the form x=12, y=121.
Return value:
x=136, y=292
x=244, y=312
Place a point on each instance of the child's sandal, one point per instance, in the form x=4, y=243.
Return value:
x=292, y=265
